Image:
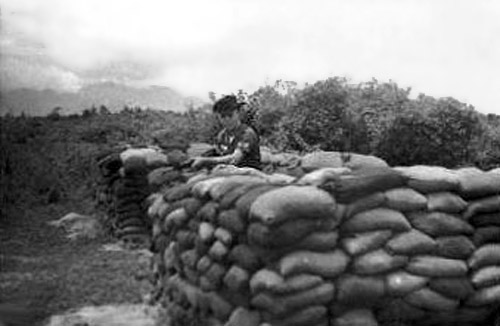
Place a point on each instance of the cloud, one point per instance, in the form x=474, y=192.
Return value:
x=20, y=72
x=444, y=48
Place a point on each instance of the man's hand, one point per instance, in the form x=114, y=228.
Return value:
x=201, y=162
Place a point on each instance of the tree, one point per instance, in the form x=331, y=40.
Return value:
x=444, y=133
x=320, y=118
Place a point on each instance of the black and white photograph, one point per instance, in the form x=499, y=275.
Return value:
x=249, y=163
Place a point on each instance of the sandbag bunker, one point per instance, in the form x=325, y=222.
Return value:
x=124, y=185
x=337, y=246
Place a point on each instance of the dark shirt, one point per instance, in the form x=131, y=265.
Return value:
x=246, y=139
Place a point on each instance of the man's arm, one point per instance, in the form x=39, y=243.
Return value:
x=234, y=158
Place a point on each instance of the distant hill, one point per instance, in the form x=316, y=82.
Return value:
x=114, y=96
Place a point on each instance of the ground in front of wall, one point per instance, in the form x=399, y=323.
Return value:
x=44, y=274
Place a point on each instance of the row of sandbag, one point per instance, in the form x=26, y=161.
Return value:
x=127, y=178
x=222, y=264
x=274, y=228
x=197, y=244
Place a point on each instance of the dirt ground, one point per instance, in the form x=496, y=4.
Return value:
x=44, y=273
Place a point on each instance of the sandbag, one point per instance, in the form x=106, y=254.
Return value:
x=455, y=247
x=245, y=201
x=479, y=184
x=279, y=305
x=219, y=189
x=236, y=279
x=242, y=255
x=304, y=317
x=220, y=308
x=233, y=170
x=135, y=165
x=232, y=220
x=462, y=316
x=203, y=264
x=485, y=296
x=223, y=236
x=321, y=176
x=359, y=291
x=318, y=160
x=206, y=232
x=491, y=219
x=401, y=283
x=296, y=283
x=229, y=199
x=487, y=276
x=155, y=202
x=270, y=281
x=458, y=288
x=215, y=273
x=280, y=178
x=430, y=300
x=185, y=239
x=358, y=162
x=376, y=219
x=208, y=212
x=177, y=192
x=412, y=243
x=436, y=266
x=489, y=204
x=319, y=241
x=163, y=176
x=243, y=317
x=486, y=255
x=439, y=224
x=202, y=188
x=398, y=310
x=218, y=251
x=358, y=317
x=366, y=203
x=292, y=202
x=488, y=234
x=446, y=202
x=357, y=185
x=189, y=258
x=192, y=205
x=265, y=279
x=207, y=285
x=360, y=243
x=284, y=235
x=190, y=275
x=170, y=257
x=328, y=264
x=201, y=247
x=131, y=221
x=429, y=179
x=193, y=295
x=378, y=261
x=405, y=199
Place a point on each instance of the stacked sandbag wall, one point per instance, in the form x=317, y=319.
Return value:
x=338, y=246
x=127, y=179
x=108, y=179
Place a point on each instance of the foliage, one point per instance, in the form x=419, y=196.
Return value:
x=41, y=156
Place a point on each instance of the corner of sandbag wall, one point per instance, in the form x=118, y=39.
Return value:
x=124, y=187
x=339, y=245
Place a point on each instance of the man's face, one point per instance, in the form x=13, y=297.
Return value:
x=230, y=121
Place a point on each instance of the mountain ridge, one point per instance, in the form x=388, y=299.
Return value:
x=113, y=95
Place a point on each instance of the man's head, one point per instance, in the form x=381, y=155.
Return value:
x=227, y=111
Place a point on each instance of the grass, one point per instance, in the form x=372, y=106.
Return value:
x=43, y=270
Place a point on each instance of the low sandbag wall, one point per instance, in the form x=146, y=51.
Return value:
x=125, y=182
x=338, y=246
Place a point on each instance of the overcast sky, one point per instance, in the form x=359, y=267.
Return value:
x=436, y=47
